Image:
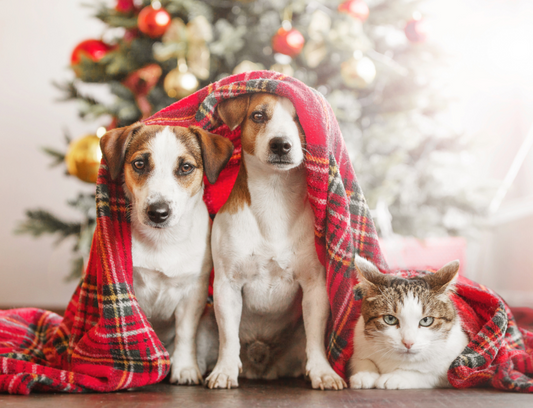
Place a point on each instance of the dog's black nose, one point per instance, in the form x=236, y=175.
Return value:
x=158, y=212
x=280, y=146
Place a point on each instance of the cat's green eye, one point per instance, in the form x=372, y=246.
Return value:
x=390, y=319
x=426, y=321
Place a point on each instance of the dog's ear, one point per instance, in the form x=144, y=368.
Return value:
x=233, y=111
x=216, y=152
x=113, y=145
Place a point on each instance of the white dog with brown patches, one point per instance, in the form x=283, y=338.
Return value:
x=267, y=272
x=163, y=179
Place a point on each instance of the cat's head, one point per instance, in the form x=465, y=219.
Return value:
x=407, y=317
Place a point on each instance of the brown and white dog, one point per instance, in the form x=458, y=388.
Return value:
x=163, y=179
x=267, y=272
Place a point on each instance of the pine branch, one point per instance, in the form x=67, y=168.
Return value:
x=59, y=157
x=76, y=269
x=72, y=93
x=42, y=222
x=113, y=18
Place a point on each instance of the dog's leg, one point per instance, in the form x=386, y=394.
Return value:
x=184, y=364
x=228, y=309
x=315, y=308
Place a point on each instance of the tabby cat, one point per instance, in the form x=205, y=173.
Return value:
x=409, y=332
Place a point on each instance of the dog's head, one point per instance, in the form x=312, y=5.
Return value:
x=163, y=167
x=270, y=130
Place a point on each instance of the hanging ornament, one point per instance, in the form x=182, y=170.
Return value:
x=140, y=83
x=358, y=72
x=83, y=157
x=284, y=69
x=125, y=6
x=189, y=40
x=153, y=20
x=93, y=49
x=246, y=66
x=179, y=82
x=315, y=52
x=289, y=42
x=356, y=8
x=416, y=29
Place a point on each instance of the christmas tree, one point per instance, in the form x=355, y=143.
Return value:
x=371, y=59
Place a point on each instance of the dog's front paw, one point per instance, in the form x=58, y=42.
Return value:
x=325, y=378
x=394, y=381
x=185, y=375
x=363, y=379
x=223, y=377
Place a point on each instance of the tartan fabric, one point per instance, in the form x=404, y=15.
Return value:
x=104, y=342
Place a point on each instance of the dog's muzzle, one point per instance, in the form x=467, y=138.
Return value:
x=158, y=212
x=280, y=146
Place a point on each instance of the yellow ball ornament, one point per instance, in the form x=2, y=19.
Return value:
x=83, y=158
x=179, y=84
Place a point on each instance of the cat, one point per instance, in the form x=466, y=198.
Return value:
x=409, y=332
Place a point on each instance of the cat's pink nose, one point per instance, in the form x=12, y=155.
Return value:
x=408, y=344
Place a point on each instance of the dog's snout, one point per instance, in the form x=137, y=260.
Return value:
x=158, y=212
x=280, y=146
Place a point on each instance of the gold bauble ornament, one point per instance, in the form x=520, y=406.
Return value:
x=180, y=83
x=246, y=66
x=83, y=158
x=358, y=72
x=284, y=69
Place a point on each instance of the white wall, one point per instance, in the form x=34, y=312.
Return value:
x=36, y=39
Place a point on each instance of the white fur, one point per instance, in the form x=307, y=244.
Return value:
x=384, y=361
x=171, y=265
x=267, y=270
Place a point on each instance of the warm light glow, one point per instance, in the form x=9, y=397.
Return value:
x=101, y=131
x=162, y=18
x=295, y=39
x=156, y=5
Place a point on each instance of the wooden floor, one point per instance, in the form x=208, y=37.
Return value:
x=279, y=394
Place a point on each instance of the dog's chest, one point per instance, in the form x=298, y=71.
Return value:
x=270, y=254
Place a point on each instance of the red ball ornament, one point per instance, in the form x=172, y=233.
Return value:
x=153, y=22
x=93, y=49
x=125, y=6
x=416, y=31
x=356, y=8
x=288, y=42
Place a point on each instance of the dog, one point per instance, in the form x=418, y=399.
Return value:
x=170, y=227
x=267, y=272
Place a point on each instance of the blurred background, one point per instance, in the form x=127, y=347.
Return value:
x=434, y=98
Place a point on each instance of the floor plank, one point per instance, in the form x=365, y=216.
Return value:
x=294, y=393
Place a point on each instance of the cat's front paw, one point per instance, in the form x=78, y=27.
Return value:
x=363, y=379
x=185, y=375
x=394, y=381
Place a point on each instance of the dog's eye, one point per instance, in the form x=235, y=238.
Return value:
x=186, y=168
x=139, y=164
x=258, y=117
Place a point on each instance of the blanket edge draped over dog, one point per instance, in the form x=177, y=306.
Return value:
x=105, y=343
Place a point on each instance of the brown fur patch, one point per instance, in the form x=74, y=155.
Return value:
x=240, y=195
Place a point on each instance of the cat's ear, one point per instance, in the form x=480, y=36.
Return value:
x=444, y=279
x=369, y=276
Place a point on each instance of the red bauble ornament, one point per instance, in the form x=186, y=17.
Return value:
x=93, y=49
x=356, y=8
x=153, y=22
x=288, y=42
x=125, y=6
x=416, y=31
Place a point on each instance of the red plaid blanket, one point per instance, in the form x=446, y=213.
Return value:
x=105, y=343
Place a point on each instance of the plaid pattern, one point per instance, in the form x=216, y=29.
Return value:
x=105, y=343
